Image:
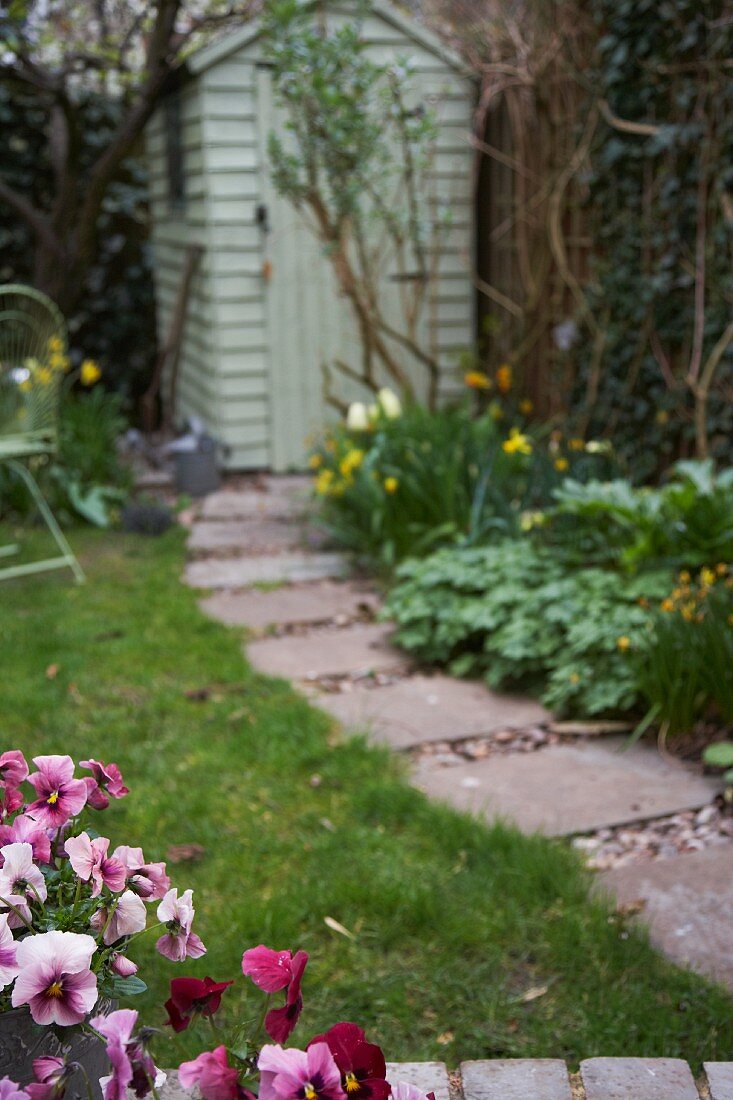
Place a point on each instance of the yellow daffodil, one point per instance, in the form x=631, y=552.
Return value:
x=576, y=444
x=55, y=345
x=517, y=443
x=684, y=577
x=315, y=461
x=721, y=568
x=707, y=576
x=477, y=380
x=504, y=378
x=528, y=520
x=526, y=407
x=574, y=678
x=561, y=465
x=89, y=373
x=44, y=376
x=391, y=484
x=324, y=482
x=351, y=461
x=667, y=604
x=25, y=386
x=623, y=643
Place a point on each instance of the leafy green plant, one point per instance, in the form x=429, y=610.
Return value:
x=720, y=755
x=85, y=479
x=683, y=662
x=516, y=615
x=687, y=522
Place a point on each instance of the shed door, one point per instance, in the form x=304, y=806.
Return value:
x=309, y=322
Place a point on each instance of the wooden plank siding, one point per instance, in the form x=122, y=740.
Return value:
x=226, y=371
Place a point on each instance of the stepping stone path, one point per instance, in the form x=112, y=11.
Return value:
x=549, y=1079
x=267, y=569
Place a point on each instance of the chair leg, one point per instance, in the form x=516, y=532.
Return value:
x=68, y=554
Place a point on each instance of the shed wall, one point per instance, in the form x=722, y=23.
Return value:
x=225, y=366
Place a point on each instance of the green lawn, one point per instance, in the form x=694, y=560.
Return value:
x=453, y=922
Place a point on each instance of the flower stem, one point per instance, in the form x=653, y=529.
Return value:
x=17, y=912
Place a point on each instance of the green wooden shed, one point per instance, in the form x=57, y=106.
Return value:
x=263, y=311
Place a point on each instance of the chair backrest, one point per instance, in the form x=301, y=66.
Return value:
x=33, y=359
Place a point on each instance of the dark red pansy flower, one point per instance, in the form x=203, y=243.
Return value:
x=280, y=1022
x=362, y=1066
x=193, y=996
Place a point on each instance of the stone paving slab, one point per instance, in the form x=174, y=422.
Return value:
x=689, y=907
x=240, y=572
x=426, y=1076
x=568, y=789
x=637, y=1079
x=291, y=604
x=254, y=536
x=228, y=504
x=516, y=1079
x=720, y=1079
x=430, y=708
x=360, y=649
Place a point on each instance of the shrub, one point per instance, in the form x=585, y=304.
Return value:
x=404, y=484
x=516, y=615
x=683, y=661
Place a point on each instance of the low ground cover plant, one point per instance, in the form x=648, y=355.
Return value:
x=451, y=921
x=516, y=615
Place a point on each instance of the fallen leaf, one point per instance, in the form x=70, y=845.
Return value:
x=52, y=672
x=335, y=926
x=533, y=993
x=186, y=853
x=445, y=1038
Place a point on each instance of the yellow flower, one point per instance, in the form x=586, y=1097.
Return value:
x=684, y=576
x=517, y=443
x=528, y=520
x=504, y=378
x=351, y=461
x=667, y=605
x=25, y=386
x=324, y=482
x=576, y=444
x=574, y=678
x=561, y=464
x=315, y=461
x=525, y=406
x=707, y=576
x=55, y=345
x=721, y=568
x=477, y=380
x=44, y=375
x=391, y=484
x=89, y=373
x=623, y=643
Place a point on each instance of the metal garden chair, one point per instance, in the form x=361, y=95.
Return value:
x=32, y=362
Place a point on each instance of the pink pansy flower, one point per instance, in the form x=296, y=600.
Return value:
x=107, y=782
x=11, y=800
x=13, y=768
x=122, y=965
x=25, y=829
x=132, y=1066
x=129, y=917
x=270, y=970
x=20, y=880
x=8, y=962
x=55, y=979
x=60, y=796
x=216, y=1079
x=280, y=1022
x=149, y=880
x=50, y=1074
x=299, y=1074
x=89, y=860
x=10, y=1091
x=405, y=1091
x=179, y=942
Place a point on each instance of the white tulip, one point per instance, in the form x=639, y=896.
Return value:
x=389, y=403
x=357, y=418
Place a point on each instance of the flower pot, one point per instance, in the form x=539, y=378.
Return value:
x=22, y=1040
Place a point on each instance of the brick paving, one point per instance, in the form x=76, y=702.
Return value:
x=549, y=1079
